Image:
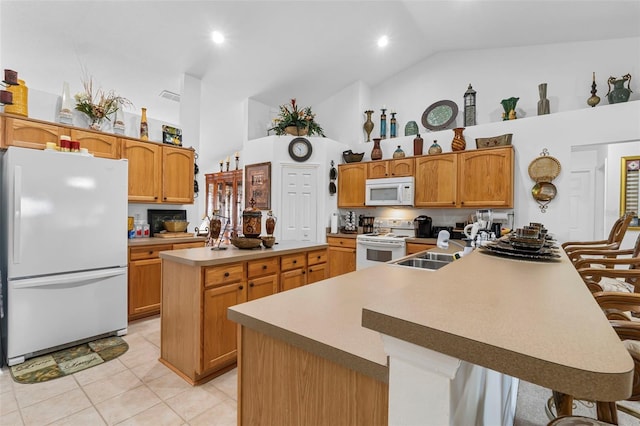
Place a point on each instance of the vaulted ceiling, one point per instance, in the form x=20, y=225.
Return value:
x=274, y=49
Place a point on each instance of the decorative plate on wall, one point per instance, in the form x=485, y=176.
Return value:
x=440, y=115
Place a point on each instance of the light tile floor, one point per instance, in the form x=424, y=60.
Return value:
x=133, y=389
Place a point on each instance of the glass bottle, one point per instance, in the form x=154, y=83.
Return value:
x=393, y=126
x=417, y=145
x=144, y=127
x=383, y=124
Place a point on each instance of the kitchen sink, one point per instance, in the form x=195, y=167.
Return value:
x=416, y=262
x=443, y=257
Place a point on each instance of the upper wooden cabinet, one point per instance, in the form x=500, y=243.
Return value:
x=485, y=178
x=351, y=181
x=435, y=184
x=31, y=134
x=145, y=170
x=470, y=179
x=390, y=168
x=158, y=174
x=177, y=175
x=98, y=144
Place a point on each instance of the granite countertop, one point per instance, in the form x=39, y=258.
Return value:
x=532, y=320
x=133, y=242
x=206, y=256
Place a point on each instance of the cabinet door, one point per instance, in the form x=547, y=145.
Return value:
x=262, y=286
x=377, y=169
x=145, y=278
x=316, y=256
x=292, y=279
x=98, y=144
x=32, y=134
x=195, y=244
x=177, y=175
x=485, y=178
x=341, y=260
x=317, y=272
x=435, y=183
x=401, y=167
x=417, y=247
x=351, y=181
x=145, y=170
x=219, y=344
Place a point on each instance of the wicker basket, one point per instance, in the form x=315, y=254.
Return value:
x=246, y=243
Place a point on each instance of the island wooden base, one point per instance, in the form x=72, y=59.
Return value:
x=279, y=384
x=198, y=380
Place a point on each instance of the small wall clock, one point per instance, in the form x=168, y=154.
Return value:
x=300, y=149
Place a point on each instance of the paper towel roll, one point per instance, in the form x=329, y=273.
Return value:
x=334, y=223
x=500, y=217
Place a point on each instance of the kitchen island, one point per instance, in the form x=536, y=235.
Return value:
x=530, y=320
x=198, y=342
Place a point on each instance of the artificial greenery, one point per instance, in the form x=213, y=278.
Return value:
x=291, y=115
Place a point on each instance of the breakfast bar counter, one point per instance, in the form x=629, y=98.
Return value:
x=535, y=321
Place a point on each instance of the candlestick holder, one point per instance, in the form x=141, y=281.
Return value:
x=221, y=162
x=237, y=161
x=227, y=163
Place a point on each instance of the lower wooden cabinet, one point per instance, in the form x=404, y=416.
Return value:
x=418, y=247
x=341, y=255
x=145, y=277
x=317, y=269
x=293, y=271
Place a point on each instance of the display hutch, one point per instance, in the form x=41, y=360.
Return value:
x=224, y=196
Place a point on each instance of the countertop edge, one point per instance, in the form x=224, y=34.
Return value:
x=345, y=359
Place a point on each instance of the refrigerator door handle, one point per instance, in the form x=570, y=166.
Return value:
x=68, y=279
x=17, y=214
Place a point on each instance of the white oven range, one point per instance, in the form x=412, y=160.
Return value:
x=386, y=243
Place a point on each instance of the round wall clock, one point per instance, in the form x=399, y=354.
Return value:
x=300, y=149
x=440, y=115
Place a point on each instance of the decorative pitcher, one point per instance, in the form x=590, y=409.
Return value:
x=619, y=93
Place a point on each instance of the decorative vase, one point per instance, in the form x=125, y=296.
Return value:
x=435, y=148
x=458, y=143
x=383, y=124
x=593, y=100
x=144, y=126
x=20, y=94
x=393, y=126
x=270, y=223
x=95, y=123
x=215, y=225
x=118, y=122
x=376, y=152
x=411, y=128
x=252, y=221
x=66, y=106
x=619, y=93
x=417, y=145
x=368, y=125
x=543, y=103
x=398, y=153
x=296, y=131
x=509, y=106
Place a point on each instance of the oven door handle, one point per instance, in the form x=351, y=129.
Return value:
x=381, y=245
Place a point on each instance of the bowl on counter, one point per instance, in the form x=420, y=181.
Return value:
x=268, y=241
x=246, y=242
x=175, y=225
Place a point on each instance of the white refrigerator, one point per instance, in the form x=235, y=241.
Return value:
x=64, y=250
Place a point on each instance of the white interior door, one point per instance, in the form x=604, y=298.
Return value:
x=299, y=203
x=582, y=206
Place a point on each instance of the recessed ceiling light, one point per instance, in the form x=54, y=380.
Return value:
x=217, y=37
x=383, y=41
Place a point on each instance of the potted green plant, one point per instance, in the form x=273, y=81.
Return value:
x=295, y=121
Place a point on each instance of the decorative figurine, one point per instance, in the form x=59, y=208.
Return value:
x=593, y=100
x=619, y=93
x=543, y=103
x=383, y=124
x=470, y=107
x=393, y=125
x=368, y=125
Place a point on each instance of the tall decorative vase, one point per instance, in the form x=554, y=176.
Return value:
x=393, y=126
x=417, y=145
x=270, y=223
x=543, y=103
x=144, y=126
x=376, y=152
x=66, y=106
x=458, y=143
x=383, y=124
x=368, y=125
x=593, y=100
x=118, y=122
x=619, y=93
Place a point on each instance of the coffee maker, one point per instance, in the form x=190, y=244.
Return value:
x=422, y=226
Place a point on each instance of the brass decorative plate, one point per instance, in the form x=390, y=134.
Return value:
x=544, y=191
x=544, y=169
x=440, y=115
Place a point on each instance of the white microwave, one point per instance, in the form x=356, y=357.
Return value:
x=390, y=191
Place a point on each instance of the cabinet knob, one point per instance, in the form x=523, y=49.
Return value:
x=155, y=198
x=319, y=257
x=250, y=284
x=453, y=202
x=226, y=274
x=240, y=288
x=150, y=251
x=264, y=266
x=461, y=202
x=304, y=272
x=295, y=261
x=165, y=198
